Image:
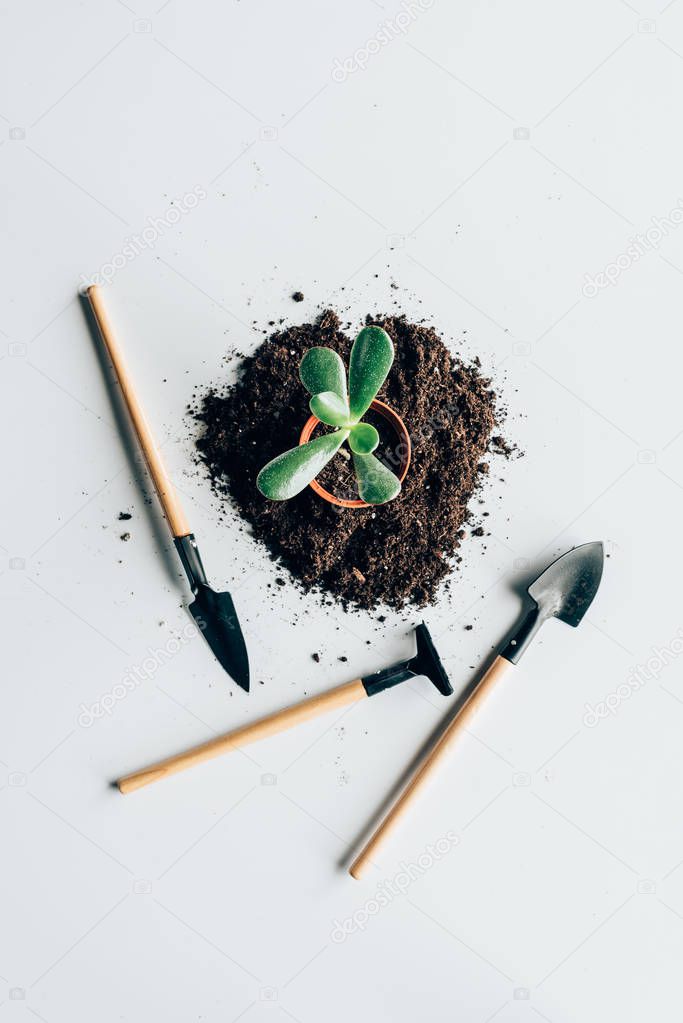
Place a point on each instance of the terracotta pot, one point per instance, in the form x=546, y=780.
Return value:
x=403, y=446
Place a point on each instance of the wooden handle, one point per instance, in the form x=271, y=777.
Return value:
x=271, y=725
x=428, y=765
x=162, y=481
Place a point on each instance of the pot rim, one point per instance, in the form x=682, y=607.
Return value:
x=392, y=417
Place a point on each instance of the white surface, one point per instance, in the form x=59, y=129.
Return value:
x=215, y=896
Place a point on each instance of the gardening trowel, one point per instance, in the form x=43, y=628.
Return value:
x=565, y=591
x=214, y=612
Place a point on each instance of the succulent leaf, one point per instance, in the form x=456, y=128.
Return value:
x=330, y=408
x=322, y=373
x=376, y=483
x=371, y=358
x=291, y=472
x=322, y=370
x=363, y=439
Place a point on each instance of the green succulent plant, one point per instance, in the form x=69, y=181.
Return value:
x=323, y=375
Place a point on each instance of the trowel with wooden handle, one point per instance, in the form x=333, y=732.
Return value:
x=213, y=611
x=565, y=590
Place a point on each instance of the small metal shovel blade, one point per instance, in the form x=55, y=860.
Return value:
x=215, y=615
x=565, y=590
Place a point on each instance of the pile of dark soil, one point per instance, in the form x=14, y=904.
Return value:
x=393, y=554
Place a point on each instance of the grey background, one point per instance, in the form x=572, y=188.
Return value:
x=492, y=159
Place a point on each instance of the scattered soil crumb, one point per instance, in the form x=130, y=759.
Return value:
x=125, y=537
x=298, y=296
x=500, y=446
